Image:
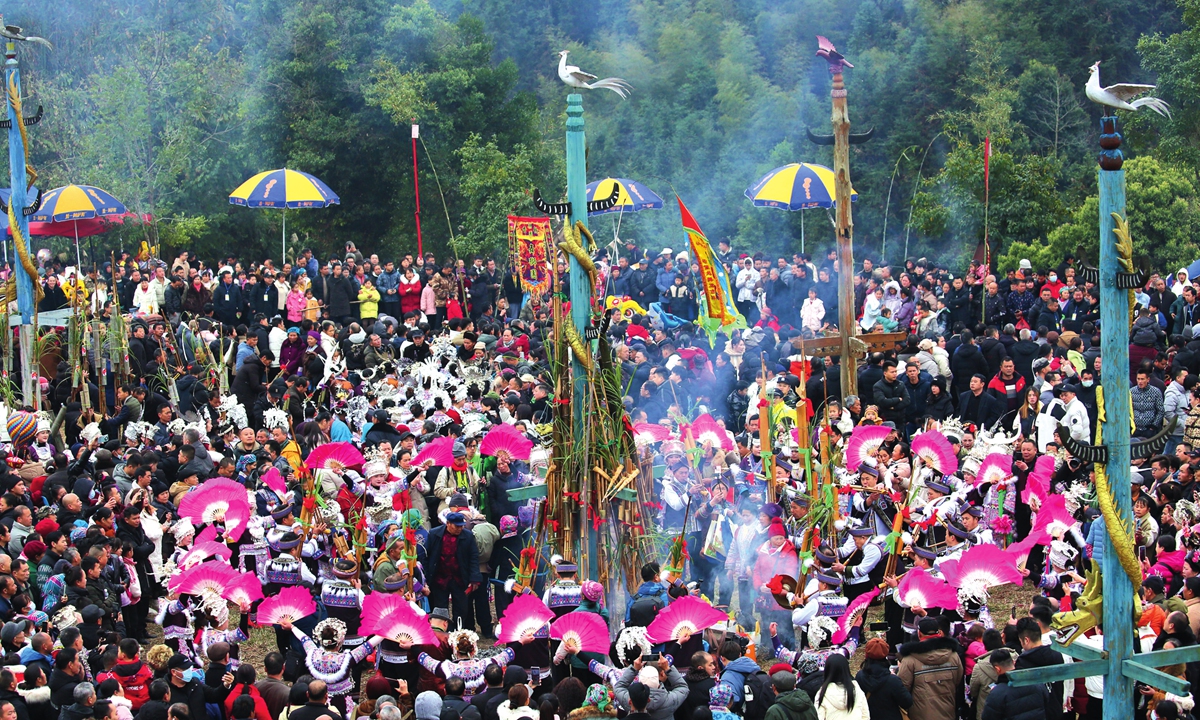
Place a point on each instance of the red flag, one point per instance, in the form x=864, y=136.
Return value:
x=987, y=157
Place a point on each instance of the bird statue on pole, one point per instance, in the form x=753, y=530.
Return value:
x=575, y=77
x=12, y=32
x=1119, y=96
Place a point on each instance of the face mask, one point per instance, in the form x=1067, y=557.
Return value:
x=1053, y=278
x=1088, y=383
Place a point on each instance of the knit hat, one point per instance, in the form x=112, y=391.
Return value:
x=377, y=687
x=34, y=547
x=48, y=525
x=592, y=590
x=877, y=649
x=776, y=529
x=772, y=510
x=428, y=706
x=720, y=695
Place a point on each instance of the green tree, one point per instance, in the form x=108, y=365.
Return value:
x=1164, y=217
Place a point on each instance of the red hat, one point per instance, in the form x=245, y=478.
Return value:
x=47, y=525
x=781, y=667
x=776, y=529
x=876, y=649
x=34, y=547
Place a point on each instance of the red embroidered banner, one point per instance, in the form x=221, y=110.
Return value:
x=529, y=252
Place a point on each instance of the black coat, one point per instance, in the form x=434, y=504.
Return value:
x=867, y=377
x=152, y=710
x=886, y=694
x=1042, y=656
x=1023, y=353
x=959, y=304
x=1005, y=702
x=62, y=688
x=892, y=399
x=17, y=701
x=249, y=382
x=699, y=683
x=468, y=555
x=966, y=361
x=988, y=411
x=194, y=695
x=341, y=294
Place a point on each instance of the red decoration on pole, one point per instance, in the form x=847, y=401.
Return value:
x=416, y=132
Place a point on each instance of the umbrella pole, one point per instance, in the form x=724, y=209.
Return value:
x=801, y=230
x=78, y=257
x=283, y=258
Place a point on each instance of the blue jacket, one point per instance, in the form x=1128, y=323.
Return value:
x=735, y=676
x=620, y=285
x=1096, y=536
x=648, y=589
x=227, y=301
x=313, y=268
x=663, y=281
x=388, y=281
x=244, y=351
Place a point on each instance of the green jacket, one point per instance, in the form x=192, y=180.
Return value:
x=794, y=705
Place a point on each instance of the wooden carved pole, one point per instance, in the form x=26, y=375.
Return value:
x=840, y=118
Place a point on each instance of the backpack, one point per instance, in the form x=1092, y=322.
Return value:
x=644, y=609
x=757, y=696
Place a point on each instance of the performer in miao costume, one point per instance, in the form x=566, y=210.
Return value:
x=464, y=644
x=211, y=617
x=859, y=560
x=326, y=660
x=566, y=593
x=827, y=601
x=286, y=570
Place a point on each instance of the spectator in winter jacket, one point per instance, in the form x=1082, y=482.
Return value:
x=1147, y=406
x=891, y=396
x=886, y=694
x=932, y=671
x=133, y=674
x=227, y=300
x=1035, y=655
x=966, y=361
x=958, y=302
x=700, y=678
x=244, y=687
x=667, y=690
x=1005, y=702
x=1007, y=386
x=790, y=702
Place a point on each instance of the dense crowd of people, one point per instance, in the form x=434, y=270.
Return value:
x=313, y=395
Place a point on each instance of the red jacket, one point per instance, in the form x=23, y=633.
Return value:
x=260, y=706
x=134, y=676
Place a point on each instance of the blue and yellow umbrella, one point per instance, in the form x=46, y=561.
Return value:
x=72, y=203
x=284, y=189
x=633, y=196
x=77, y=202
x=797, y=186
x=290, y=189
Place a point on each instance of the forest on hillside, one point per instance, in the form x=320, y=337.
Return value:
x=171, y=105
